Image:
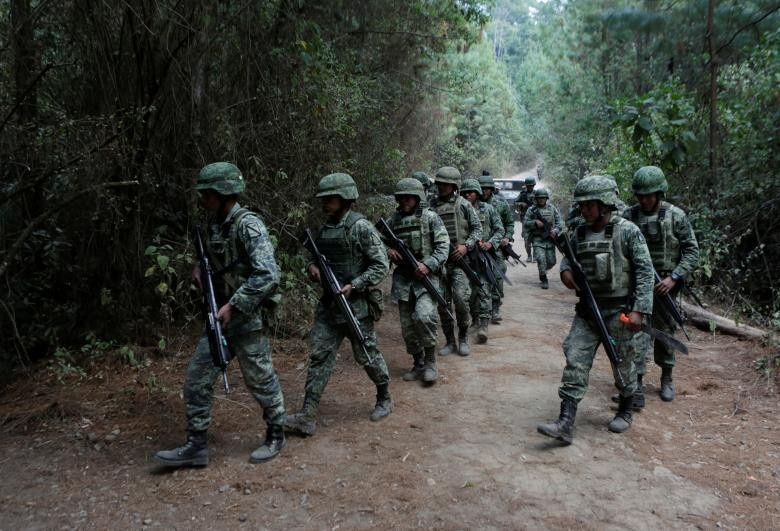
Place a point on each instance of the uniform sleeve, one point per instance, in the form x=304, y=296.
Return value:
x=557, y=221
x=441, y=243
x=641, y=267
x=689, y=247
x=529, y=221
x=475, y=226
x=369, y=244
x=264, y=276
x=507, y=219
x=497, y=225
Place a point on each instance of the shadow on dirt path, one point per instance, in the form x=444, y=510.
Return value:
x=462, y=454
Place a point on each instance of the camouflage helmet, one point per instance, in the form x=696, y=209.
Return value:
x=649, y=180
x=530, y=180
x=471, y=185
x=486, y=181
x=340, y=184
x=410, y=186
x=596, y=188
x=423, y=177
x=541, y=192
x=447, y=175
x=222, y=177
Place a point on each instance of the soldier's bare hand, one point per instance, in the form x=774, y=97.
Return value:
x=422, y=270
x=394, y=256
x=539, y=223
x=314, y=273
x=568, y=280
x=635, y=321
x=346, y=289
x=665, y=286
x=459, y=252
x=225, y=314
x=196, y=277
x=504, y=242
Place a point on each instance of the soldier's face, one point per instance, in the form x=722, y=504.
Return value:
x=647, y=202
x=529, y=187
x=445, y=189
x=541, y=201
x=471, y=197
x=209, y=200
x=591, y=211
x=332, y=206
x=487, y=193
x=407, y=203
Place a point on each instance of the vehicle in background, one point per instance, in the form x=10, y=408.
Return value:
x=509, y=189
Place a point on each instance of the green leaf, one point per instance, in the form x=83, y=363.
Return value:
x=150, y=271
x=150, y=250
x=163, y=261
x=162, y=288
x=162, y=344
x=645, y=123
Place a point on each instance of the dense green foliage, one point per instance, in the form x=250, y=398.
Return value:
x=611, y=86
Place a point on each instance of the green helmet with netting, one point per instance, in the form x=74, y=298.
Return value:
x=340, y=184
x=423, y=177
x=471, y=185
x=541, y=192
x=409, y=186
x=222, y=177
x=649, y=180
x=596, y=188
x=486, y=181
x=447, y=175
x=530, y=181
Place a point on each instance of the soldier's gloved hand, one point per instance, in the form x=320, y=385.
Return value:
x=394, y=256
x=346, y=289
x=314, y=273
x=196, y=277
x=568, y=280
x=665, y=286
x=459, y=252
x=225, y=314
x=421, y=271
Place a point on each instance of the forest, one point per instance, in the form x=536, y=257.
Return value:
x=109, y=109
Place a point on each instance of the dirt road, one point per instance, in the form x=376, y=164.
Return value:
x=463, y=454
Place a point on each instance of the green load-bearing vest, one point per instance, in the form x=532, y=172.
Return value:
x=231, y=264
x=451, y=213
x=603, y=261
x=415, y=231
x=658, y=230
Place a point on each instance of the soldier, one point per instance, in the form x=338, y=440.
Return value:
x=542, y=224
x=352, y=245
x=523, y=202
x=238, y=245
x=615, y=259
x=425, y=180
x=464, y=230
x=423, y=232
x=492, y=234
x=490, y=196
x=675, y=254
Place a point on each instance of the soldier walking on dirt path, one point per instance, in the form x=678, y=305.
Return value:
x=464, y=230
x=617, y=265
x=247, y=278
x=675, y=254
x=424, y=234
x=542, y=223
x=524, y=201
x=492, y=233
x=358, y=258
x=490, y=197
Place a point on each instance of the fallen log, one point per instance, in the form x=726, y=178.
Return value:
x=710, y=322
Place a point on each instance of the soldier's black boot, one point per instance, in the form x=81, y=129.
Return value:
x=561, y=428
x=195, y=452
x=482, y=335
x=639, y=396
x=451, y=347
x=667, y=388
x=415, y=373
x=274, y=442
x=430, y=374
x=545, y=283
x=384, y=404
x=495, y=314
x=304, y=422
x=622, y=420
x=463, y=341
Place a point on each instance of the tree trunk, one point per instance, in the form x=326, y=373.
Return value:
x=713, y=140
x=25, y=63
x=709, y=322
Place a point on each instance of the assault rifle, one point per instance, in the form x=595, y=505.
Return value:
x=220, y=354
x=331, y=290
x=547, y=225
x=485, y=265
x=491, y=258
x=587, y=297
x=464, y=265
x=508, y=253
x=661, y=336
x=692, y=294
x=669, y=306
x=410, y=264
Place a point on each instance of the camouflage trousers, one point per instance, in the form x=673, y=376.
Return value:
x=580, y=347
x=326, y=338
x=419, y=321
x=498, y=293
x=253, y=351
x=544, y=254
x=457, y=291
x=662, y=355
x=481, y=299
x=526, y=242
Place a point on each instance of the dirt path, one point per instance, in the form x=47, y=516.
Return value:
x=463, y=454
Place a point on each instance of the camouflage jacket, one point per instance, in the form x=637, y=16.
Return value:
x=492, y=227
x=548, y=213
x=505, y=213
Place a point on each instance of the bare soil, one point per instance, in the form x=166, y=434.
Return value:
x=461, y=454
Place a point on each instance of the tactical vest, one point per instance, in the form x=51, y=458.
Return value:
x=336, y=245
x=415, y=231
x=658, y=230
x=607, y=268
x=547, y=214
x=231, y=263
x=484, y=220
x=451, y=213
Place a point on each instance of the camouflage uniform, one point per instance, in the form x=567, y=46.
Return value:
x=674, y=251
x=424, y=234
x=618, y=267
x=463, y=227
x=508, y=221
x=527, y=198
x=544, y=246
